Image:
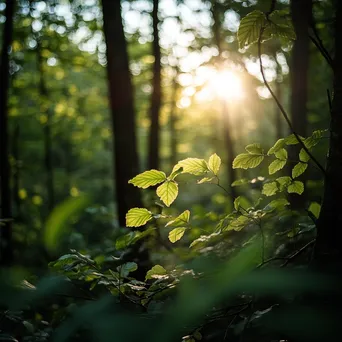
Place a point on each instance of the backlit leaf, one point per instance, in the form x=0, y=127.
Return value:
x=315, y=208
x=276, y=147
x=176, y=234
x=276, y=165
x=270, y=189
x=168, y=192
x=254, y=149
x=194, y=166
x=180, y=220
x=299, y=169
x=296, y=187
x=281, y=154
x=148, y=178
x=214, y=163
x=205, y=180
x=155, y=272
x=303, y=156
x=137, y=217
x=247, y=161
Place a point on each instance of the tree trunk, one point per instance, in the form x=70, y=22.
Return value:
x=227, y=127
x=153, y=162
x=48, y=162
x=301, y=11
x=16, y=173
x=173, y=120
x=278, y=116
x=6, y=252
x=329, y=224
x=122, y=110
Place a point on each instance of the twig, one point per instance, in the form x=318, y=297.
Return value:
x=322, y=51
x=329, y=100
x=281, y=108
x=300, y=251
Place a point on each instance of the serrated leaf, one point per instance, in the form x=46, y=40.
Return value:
x=194, y=166
x=315, y=208
x=176, y=234
x=284, y=181
x=168, y=192
x=303, y=156
x=254, y=149
x=276, y=165
x=137, y=217
x=279, y=25
x=180, y=220
x=155, y=272
x=276, y=147
x=250, y=27
x=237, y=203
x=239, y=182
x=296, y=187
x=214, y=163
x=270, y=189
x=247, y=161
x=299, y=169
x=148, y=178
x=205, y=180
x=281, y=154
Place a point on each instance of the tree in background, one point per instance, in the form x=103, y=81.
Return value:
x=153, y=157
x=6, y=204
x=122, y=109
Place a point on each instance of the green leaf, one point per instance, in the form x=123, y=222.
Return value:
x=148, y=178
x=276, y=204
x=279, y=26
x=168, y=192
x=176, y=234
x=292, y=140
x=242, y=181
x=276, y=147
x=250, y=27
x=247, y=161
x=296, y=187
x=314, y=139
x=180, y=220
x=214, y=163
x=127, y=268
x=194, y=166
x=137, y=217
x=57, y=222
x=155, y=272
x=239, y=223
x=276, y=165
x=177, y=170
x=303, y=156
x=237, y=203
x=254, y=149
x=281, y=154
x=315, y=208
x=270, y=189
x=299, y=169
x=205, y=180
x=284, y=182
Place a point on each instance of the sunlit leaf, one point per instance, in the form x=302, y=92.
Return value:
x=299, y=169
x=168, y=192
x=250, y=27
x=180, y=220
x=205, y=180
x=194, y=166
x=292, y=140
x=281, y=154
x=276, y=147
x=177, y=170
x=137, y=217
x=279, y=26
x=296, y=187
x=148, y=178
x=214, y=163
x=270, y=189
x=155, y=272
x=176, y=234
x=283, y=182
x=239, y=223
x=254, y=149
x=57, y=223
x=315, y=208
x=276, y=165
x=247, y=161
x=303, y=156
x=276, y=204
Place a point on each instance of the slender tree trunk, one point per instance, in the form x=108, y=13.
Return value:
x=173, y=120
x=6, y=252
x=122, y=109
x=48, y=162
x=301, y=11
x=16, y=173
x=278, y=116
x=227, y=127
x=329, y=224
x=154, y=140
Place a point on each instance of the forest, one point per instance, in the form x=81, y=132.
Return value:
x=170, y=170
